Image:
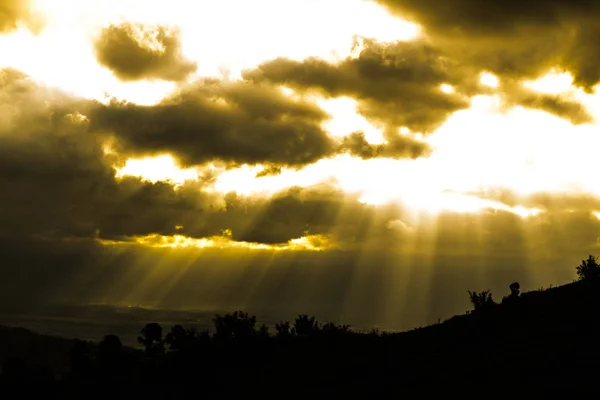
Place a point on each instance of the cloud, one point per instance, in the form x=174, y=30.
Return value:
x=397, y=146
x=134, y=52
x=513, y=38
x=237, y=122
x=15, y=12
x=397, y=84
x=514, y=93
x=59, y=183
x=398, y=224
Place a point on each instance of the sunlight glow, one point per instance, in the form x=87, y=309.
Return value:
x=489, y=80
x=448, y=89
x=552, y=83
x=345, y=119
x=243, y=180
x=158, y=168
x=304, y=243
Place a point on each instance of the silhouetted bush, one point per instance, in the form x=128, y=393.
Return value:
x=589, y=269
x=304, y=326
x=333, y=329
x=283, y=329
x=263, y=332
x=481, y=301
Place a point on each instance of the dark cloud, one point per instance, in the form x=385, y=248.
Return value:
x=233, y=122
x=59, y=182
x=520, y=39
x=515, y=93
x=396, y=146
x=271, y=170
x=134, y=52
x=396, y=84
x=16, y=12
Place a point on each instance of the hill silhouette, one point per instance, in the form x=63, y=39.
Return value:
x=534, y=344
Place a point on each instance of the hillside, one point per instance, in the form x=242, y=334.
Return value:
x=536, y=344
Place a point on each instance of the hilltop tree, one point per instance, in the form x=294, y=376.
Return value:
x=588, y=269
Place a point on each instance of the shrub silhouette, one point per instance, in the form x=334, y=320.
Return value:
x=283, y=329
x=152, y=339
x=263, y=332
x=303, y=325
x=333, y=329
x=588, y=269
x=238, y=325
x=481, y=301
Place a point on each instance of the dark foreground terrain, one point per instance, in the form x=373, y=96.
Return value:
x=536, y=344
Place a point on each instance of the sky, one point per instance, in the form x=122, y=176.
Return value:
x=368, y=161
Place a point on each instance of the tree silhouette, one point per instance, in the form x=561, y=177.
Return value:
x=303, y=325
x=263, y=331
x=111, y=360
x=181, y=339
x=588, y=269
x=234, y=326
x=81, y=362
x=481, y=301
x=283, y=329
x=152, y=339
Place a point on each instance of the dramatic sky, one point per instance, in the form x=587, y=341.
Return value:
x=366, y=161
